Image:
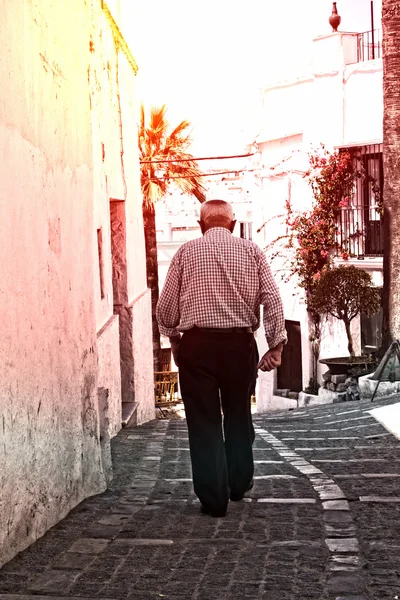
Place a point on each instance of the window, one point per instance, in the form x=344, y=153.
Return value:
x=246, y=230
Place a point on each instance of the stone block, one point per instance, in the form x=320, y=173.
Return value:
x=325, y=396
x=284, y=393
x=385, y=388
x=340, y=397
x=341, y=387
x=338, y=378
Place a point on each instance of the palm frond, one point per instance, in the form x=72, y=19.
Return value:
x=156, y=144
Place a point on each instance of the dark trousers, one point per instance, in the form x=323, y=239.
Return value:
x=219, y=370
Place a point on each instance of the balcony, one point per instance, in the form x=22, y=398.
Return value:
x=360, y=232
x=359, y=228
x=369, y=45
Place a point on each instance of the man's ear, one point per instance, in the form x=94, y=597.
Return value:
x=201, y=223
x=232, y=226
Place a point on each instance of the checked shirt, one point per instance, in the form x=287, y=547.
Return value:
x=220, y=281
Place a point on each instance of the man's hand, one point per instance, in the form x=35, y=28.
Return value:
x=175, y=341
x=271, y=359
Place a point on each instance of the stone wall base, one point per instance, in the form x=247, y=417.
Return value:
x=314, y=400
x=385, y=388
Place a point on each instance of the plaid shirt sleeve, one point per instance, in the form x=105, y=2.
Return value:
x=270, y=299
x=167, y=311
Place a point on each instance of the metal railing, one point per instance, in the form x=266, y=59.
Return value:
x=369, y=45
x=360, y=232
x=359, y=226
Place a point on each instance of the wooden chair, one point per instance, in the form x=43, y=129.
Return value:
x=165, y=386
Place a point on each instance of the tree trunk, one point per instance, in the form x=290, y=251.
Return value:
x=349, y=338
x=149, y=221
x=391, y=170
x=314, y=327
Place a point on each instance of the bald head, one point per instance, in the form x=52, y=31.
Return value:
x=216, y=213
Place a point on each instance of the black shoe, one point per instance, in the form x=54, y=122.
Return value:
x=213, y=513
x=238, y=497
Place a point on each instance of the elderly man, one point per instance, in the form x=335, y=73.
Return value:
x=212, y=295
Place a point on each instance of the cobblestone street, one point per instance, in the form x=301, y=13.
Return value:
x=322, y=521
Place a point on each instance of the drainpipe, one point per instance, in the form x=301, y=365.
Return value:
x=372, y=29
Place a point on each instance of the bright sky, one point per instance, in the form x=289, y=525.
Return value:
x=208, y=60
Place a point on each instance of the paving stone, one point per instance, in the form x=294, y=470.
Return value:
x=275, y=477
x=89, y=546
x=351, y=597
x=52, y=581
x=71, y=560
x=342, y=545
x=287, y=500
x=344, y=563
x=47, y=597
x=380, y=499
x=143, y=542
x=114, y=519
x=345, y=583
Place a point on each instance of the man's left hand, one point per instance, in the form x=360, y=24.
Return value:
x=271, y=359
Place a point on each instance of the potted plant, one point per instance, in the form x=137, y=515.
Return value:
x=343, y=292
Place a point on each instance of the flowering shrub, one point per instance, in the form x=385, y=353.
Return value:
x=312, y=233
x=311, y=239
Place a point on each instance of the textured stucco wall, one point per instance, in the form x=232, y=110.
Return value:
x=109, y=373
x=50, y=453
x=143, y=357
x=106, y=134
x=117, y=198
x=136, y=254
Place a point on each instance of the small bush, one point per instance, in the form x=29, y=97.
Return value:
x=343, y=292
x=313, y=387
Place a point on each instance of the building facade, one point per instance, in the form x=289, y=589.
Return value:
x=66, y=99
x=339, y=104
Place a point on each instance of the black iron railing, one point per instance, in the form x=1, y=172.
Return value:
x=369, y=45
x=360, y=232
x=359, y=226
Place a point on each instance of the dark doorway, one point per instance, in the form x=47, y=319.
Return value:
x=371, y=330
x=290, y=373
x=120, y=297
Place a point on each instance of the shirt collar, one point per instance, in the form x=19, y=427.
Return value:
x=217, y=232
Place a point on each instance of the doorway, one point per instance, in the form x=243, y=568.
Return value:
x=290, y=373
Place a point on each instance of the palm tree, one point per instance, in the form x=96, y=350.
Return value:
x=160, y=151
x=391, y=170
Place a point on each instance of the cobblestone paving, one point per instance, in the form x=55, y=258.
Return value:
x=321, y=523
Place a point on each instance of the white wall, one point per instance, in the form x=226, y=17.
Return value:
x=50, y=452
x=336, y=102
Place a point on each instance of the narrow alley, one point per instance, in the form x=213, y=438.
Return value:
x=320, y=523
